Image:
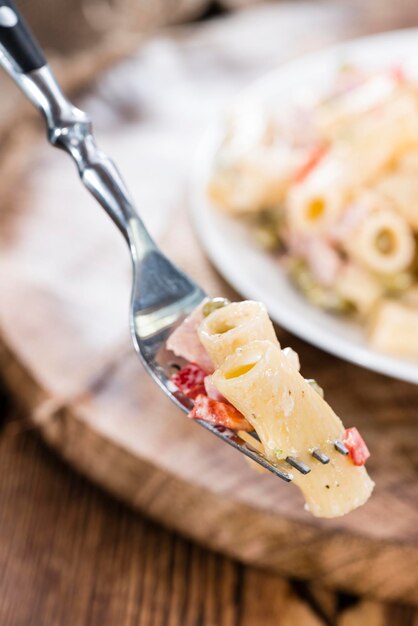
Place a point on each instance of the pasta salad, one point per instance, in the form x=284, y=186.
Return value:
x=331, y=188
x=240, y=378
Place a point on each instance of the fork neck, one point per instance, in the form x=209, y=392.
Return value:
x=68, y=127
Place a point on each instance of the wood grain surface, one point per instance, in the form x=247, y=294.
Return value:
x=65, y=349
x=70, y=554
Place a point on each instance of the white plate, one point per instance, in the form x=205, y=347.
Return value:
x=254, y=273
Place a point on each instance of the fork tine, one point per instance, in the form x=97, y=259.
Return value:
x=340, y=447
x=234, y=440
x=251, y=441
x=320, y=456
x=299, y=465
x=286, y=476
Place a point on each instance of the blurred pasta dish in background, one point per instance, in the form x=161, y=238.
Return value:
x=331, y=187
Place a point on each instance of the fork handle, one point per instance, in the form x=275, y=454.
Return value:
x=68, y=127
x=17, y=40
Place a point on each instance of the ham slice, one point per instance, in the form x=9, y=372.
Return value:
x=324, y=262
x=322, y=258
x=185, y=343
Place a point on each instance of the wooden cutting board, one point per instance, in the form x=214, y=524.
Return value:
x=65, y=348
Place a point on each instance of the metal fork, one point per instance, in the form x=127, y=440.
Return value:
x=162, y=295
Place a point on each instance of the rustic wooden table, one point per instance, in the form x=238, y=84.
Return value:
x=70, y=554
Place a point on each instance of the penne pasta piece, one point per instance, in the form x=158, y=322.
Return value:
x=383, y=242
x=393, y=328
x=232, y=326
x=292, y=419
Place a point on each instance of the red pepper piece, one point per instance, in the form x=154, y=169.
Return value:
x=219, y=413
x=311, y=162
x=356, y=446
x=190, y=380
x=397, y=72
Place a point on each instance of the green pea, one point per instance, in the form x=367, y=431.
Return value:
x=213, y=304
x=267, y=238
x=312, y=382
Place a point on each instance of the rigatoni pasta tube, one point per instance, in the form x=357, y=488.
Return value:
x=291, y=419
x=383, y=242
x=232, y=326
x=316, y=204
